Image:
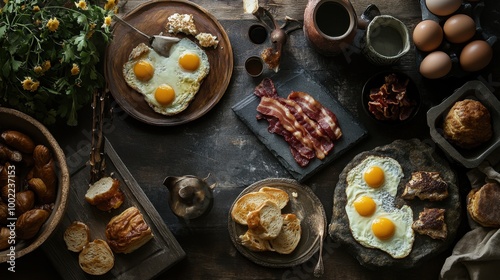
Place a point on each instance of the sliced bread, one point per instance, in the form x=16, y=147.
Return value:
x=105, y=194
x=254, y=243
x=289, y=236
x=96, y=258
x=253, y=200
x=266, y=221
x=76, y=236
x=280, y=197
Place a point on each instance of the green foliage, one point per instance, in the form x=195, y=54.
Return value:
x=51, y=54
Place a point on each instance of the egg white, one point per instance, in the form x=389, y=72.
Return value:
x=168, y=71
x=401, y=243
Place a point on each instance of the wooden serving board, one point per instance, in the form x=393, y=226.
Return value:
x=148, y=261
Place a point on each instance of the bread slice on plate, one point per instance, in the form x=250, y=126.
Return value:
x=266, y=221
x=254, y=243
x=289, y=236
x=105, y=194
x=280, y=197
x=76, y=236
x=253, y=200
x=96, y=258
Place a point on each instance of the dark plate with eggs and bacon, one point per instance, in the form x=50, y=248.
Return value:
x=152, y=17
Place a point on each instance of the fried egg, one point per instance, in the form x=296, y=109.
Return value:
x=374, y=220
x=168, y=84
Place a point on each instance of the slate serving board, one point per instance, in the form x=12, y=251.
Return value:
x=300, y=80
x=147, y=262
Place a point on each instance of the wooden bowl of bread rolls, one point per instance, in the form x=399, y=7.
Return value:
x=34, y=184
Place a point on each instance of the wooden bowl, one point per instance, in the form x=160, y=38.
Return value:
x=15, y=120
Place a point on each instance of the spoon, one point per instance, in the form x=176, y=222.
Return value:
x=161, y=44
x=319, y=269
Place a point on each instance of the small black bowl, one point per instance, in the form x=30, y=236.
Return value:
x=376, y=81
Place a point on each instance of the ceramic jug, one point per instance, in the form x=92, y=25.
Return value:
x=331, y=25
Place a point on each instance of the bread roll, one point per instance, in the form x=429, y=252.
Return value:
x=483, y=205
x=76, y=236
x=128, y=231
x=96, y=258
x=468, y=124
x=105, y=194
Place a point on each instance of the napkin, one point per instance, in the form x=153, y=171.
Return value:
x=477, y=253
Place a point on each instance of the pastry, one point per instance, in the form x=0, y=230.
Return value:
x=128, y=231
x=483, y=205
x=468, y=124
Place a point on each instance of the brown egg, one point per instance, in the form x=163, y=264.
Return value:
x=459, y=28
x=476, y=55
x=435, y=65
x=427, y=35
x=443, y=7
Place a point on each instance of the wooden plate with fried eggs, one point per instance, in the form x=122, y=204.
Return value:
x=152, y=18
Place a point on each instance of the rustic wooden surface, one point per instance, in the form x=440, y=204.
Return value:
x=221, y=145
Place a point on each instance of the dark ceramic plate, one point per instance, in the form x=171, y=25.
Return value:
x=308, y=208
x=152, y=16
x=285, y=83
x=376, y=81
x=475, y=90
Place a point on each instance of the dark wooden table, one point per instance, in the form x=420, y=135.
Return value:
x=220, y=144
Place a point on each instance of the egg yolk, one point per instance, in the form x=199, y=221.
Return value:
x=164, y=94
x=189, y=61
x=374, y=176
x=143, y=70
x=365, y=206
x=383, y=228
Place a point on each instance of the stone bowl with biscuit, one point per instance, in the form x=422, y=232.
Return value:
x=426, y=195
x=466, y=125
x=35, y=184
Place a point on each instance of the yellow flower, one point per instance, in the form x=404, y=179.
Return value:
x=107, y=22
x=29, y=84
x=81, y=4
x=46, y=65
x=38, y=69
x=36, y=9
x=53, y=24
x=110, y=5
x=75, y=70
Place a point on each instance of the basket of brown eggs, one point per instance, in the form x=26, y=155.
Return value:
x=34, y=182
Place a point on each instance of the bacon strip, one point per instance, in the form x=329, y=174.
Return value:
x=316, y=111
x=307, y=126
x=271, y=107
x=300, y=153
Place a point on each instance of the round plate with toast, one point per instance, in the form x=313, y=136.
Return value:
x=305, y=205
